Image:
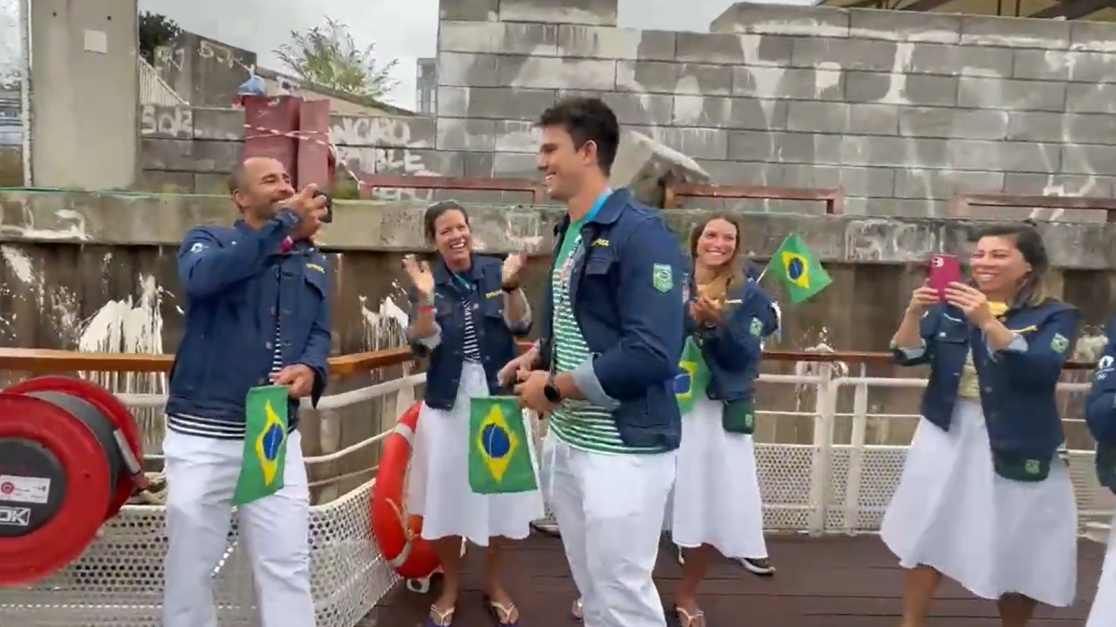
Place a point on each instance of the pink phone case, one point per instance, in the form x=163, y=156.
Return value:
x=944, y=269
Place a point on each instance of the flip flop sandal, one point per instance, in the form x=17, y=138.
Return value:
x=576, y=614
x=501, y=613
x=686, y=619
x=439, y=618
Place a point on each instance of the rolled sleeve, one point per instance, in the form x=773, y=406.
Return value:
x=585, y=378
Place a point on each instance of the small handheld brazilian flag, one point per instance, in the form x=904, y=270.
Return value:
x=499, y=449
x=795, y=264
x=692, y=378
x=265, y=444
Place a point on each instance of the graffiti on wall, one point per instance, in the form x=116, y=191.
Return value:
x=386, y=145
x=164, y=121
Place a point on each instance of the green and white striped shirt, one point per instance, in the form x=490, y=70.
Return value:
x=579, y=424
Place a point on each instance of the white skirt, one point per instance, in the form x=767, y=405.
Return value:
x=992, y=535
x=716, y=497
x=1103, y=612
x=438, y=484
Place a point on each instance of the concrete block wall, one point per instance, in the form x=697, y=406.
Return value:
x=901, y=109
x=193, y=149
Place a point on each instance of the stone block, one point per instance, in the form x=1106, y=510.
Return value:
x=517, y=136
x=848, y=54
x=1082, y=98
x=1086, y=159
x=590, y=12
x=960, y=123
x=647, y=77
x=1069, y=128
x=597, y=42
x=901, y=89
x=743, y=173
x=697, y=143
x=216, y=157
x=704, y=80
x=457, y=69
x=162, y=154
x=958, y=60
x=556, y=73
x=834, y=117
x=469, y=10
x=645, y=166
x=630, y=108
x=221, y=124
x=789, y=83
x=1003, y=93
x=498, y=38
x=734, y=49
x=1060, y=184
x=167, y=122
x=736, y=113
x=515, y=165
x=856, y=181
x=981, y=30
x=1004, y=156
x=943, y=184
x=466, y=135
x=478, y=165
x=1065, y=65
x=777, y=19
x=903, y=26
x=1094, y=36
x=494, y=102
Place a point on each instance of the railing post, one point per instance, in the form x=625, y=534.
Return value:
x=856, y=455
x=825, y=407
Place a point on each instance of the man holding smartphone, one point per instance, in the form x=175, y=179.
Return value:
x=256, y=314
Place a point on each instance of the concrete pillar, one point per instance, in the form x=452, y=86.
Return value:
x=85, y=93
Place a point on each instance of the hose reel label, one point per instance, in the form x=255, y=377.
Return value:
x=15, y=516
x=15, y=489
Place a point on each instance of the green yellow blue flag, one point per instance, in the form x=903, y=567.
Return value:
x=795, y=264
x=693, y=377
x=265, y=444
x=499, y=449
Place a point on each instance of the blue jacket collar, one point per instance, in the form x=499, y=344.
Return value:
x=444, y=276
x=608, y=213
x=299, y=246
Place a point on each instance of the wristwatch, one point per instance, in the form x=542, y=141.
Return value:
x=551, y=392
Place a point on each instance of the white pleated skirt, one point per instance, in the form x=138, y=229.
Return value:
x=992, y=535
x=1103, y=612
x=716, y=497
x=438, y=483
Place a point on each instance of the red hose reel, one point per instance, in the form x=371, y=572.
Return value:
x=70, y=458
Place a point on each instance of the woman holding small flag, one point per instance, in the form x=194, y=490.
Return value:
x=985, y=499
x=716, y=505
x=468, y=311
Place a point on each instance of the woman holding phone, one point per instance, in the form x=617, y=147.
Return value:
x=468, y=311
x=1100, y=415
x=985, y=499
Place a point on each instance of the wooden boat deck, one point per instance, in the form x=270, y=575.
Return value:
x=835, y=581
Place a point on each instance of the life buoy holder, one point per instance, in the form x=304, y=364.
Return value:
x=70, y=457
x=398, y=533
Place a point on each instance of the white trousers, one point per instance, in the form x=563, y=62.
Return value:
x=610, y=511
x=1103, y=611
x=201, y=475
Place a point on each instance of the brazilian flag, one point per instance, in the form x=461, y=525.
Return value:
x=693, y=377
x=795, y=264
x=265, y=444
x=499, y=451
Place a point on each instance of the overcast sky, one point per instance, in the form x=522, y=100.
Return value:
x=405, y=30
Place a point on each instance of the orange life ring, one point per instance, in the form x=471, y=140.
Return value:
x=399, y=534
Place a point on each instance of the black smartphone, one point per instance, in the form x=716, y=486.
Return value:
x=328, y=217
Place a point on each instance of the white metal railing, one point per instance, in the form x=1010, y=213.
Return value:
x=153, y=89
x=817, y=488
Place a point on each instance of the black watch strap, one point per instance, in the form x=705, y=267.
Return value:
x=550, y=391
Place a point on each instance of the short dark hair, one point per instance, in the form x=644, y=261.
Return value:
x=435, y=211
x=587, y=120
x=237, y=176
